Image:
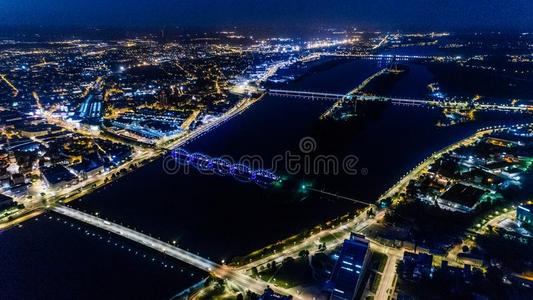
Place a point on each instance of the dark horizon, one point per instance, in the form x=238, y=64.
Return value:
x=386, y=15
x=56, y=33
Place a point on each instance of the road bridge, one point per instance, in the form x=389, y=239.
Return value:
x=218, y=270
x=396, y=100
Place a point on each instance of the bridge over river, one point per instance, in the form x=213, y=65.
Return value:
x=218, y=270
x=395, y=100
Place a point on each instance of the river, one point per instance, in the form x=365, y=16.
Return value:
x=220, y=217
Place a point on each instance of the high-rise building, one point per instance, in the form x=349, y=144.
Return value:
x=524, y=213
x=348, y=272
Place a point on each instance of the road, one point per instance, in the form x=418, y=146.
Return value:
x=394, y=100
x=35, y=205
x=388, y=280
x=354, y=91
x=423, y=166
x=140, y=155
x=358, y=224
x=388, y=276
x=221, y=271
x=387, y=283
x=171, y=144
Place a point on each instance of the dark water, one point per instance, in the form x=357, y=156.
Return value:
x=413, y=84
x=220, y=217
x=52, y=257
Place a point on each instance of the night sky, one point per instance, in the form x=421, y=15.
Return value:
x=389, y=14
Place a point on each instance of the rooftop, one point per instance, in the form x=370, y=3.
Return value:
x=349, y=267
x=57, y=174
x=463, y=194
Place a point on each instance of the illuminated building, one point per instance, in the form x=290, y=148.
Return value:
x=58, y=177
x=348, y=272
x=524, y=213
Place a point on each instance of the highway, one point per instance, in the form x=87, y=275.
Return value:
x=221, y=271
x=381, y=43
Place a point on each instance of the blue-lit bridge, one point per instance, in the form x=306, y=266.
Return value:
x=225, y=167
x=395, y=100
x=220, y=271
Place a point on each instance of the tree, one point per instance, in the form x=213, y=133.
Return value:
x=250, y=295
x=303, y=254
x=254, y=271
x=274, y=265
x=287, y=261
x=370, y=213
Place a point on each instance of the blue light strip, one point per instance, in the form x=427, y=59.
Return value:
x=223, y=167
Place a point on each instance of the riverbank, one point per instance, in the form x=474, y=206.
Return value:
x=422, y=167
x=293, y=246
x=143, y=158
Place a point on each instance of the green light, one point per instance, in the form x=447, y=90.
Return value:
x=278, y=184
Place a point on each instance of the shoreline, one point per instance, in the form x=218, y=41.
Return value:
x=34, y=211
x=358, y=221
